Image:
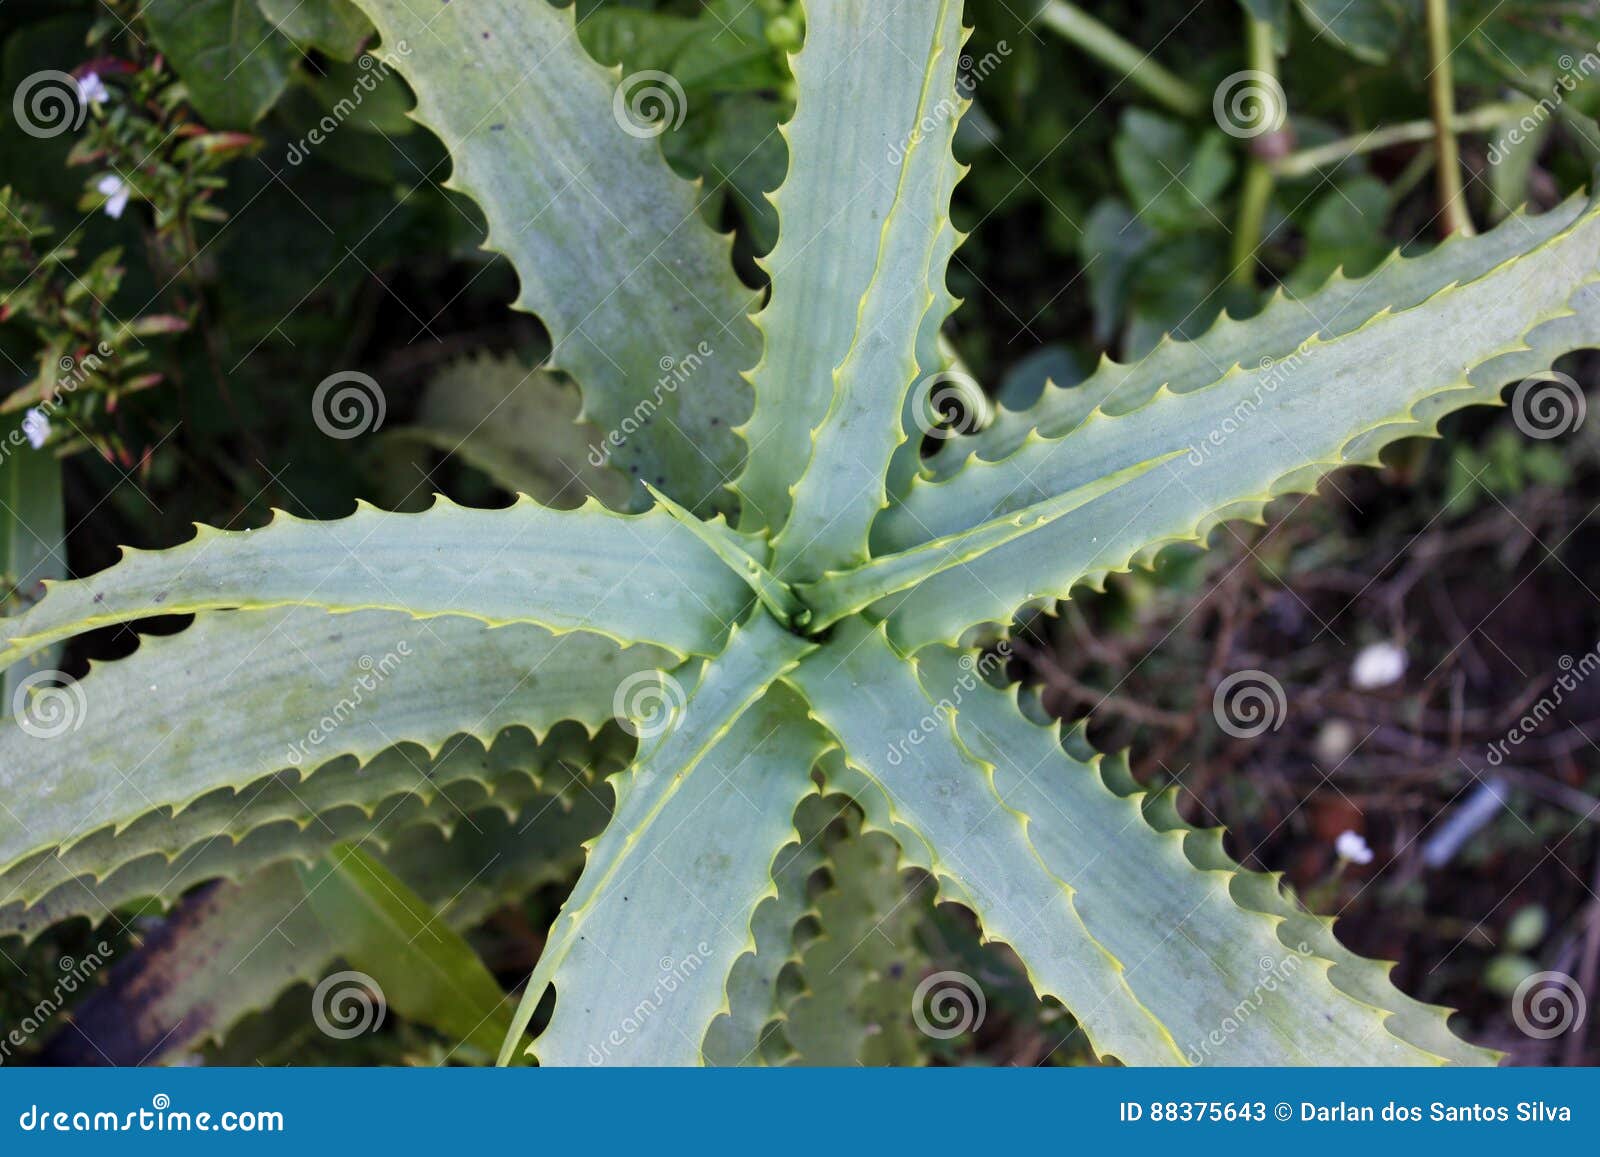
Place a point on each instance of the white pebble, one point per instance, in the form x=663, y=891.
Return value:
x=1377, y=665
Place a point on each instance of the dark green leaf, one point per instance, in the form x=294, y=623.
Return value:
x=1366, y=29
x=234, y=62
x=335, y=27
x=1172, y=179
x=1345, y=230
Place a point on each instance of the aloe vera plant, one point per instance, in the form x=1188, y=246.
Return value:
x=800, y=597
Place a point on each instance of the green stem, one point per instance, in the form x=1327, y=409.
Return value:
x=1254, y=197
x=1411, y=176
x=1256, y=194
x=1128, y=59
x=1441, y=88
x=1308, y=161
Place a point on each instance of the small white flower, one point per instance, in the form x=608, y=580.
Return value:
x=116, y=192
x=92, y=90
x=1352, y=846
x=1377, y=665
x=36, y=428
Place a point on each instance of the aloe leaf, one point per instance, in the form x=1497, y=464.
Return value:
x=951, y=820
x=1341, y=306
x=831, y=978
x=640, y=298
x=239, y=696
x=522, y=428
x=636, y=579
x=1254, y=434
x=1422, y=1025
x=861, y=964
x=844, y=484
x=745, y=1033
x=230, y=949
x=1102, y=909
x=231, y=835
x=739, y=553
x=856, y=54
x=1182, y=881
x=838, y=595
x=427, y=972
x=663, y=908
